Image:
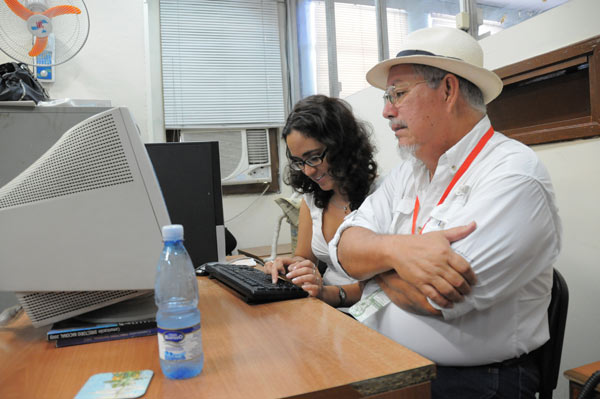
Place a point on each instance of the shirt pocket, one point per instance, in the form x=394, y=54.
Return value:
x=401, y=215
x=442, y=215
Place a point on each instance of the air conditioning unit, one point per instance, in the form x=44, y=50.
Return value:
x=244, y=153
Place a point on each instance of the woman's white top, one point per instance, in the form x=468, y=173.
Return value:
x=320, y=247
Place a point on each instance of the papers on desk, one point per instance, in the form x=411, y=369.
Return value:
x=244, y=261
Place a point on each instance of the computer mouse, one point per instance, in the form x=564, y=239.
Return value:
x=201, y=270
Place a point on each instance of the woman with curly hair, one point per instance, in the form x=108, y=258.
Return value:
x=331, y=163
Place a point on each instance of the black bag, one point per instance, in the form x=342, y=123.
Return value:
x=17, y=83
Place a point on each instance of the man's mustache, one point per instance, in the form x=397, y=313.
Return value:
x=398, y=122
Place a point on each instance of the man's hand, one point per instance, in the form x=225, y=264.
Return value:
x=428, y=263
x=404, y=295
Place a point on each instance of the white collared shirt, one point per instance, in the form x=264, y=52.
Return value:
x=508, y=193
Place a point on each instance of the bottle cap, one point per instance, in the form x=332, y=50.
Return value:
x=172, y=232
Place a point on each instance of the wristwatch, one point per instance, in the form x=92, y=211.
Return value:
x=342, y=294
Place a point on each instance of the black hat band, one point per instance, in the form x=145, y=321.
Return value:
x=407, y=53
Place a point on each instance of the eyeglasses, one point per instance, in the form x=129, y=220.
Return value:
x=314, y=160
x=396, y=94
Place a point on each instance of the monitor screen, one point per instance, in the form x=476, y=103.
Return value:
x=190, y=179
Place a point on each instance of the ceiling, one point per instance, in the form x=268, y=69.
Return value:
x=539, y=5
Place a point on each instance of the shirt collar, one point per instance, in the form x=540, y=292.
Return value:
x=452, y=157
x=459, y=151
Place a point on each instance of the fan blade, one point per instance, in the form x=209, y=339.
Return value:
x=61, y=10
x=19, y=9
x=38, y=46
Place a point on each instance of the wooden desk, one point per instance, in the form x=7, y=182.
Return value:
x=578, y=376
x=301, y=348
x=265, y=251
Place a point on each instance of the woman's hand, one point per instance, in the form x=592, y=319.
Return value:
x=279, y=266
x=300, y=271
x=306, y=275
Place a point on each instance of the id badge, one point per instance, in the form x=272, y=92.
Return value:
x=370, y=305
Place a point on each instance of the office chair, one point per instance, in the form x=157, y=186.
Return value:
x=548, y=355
x=230, y=242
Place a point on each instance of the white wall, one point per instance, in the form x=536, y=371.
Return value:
x=367, y=105
x=574, y=167
x=256, y=225
x=569, y=23
x=111, y=65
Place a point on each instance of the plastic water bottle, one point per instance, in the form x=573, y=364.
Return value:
x=178, y=317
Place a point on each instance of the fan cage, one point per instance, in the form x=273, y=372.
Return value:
x=69, y=32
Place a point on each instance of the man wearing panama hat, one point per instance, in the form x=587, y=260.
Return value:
x=472, y=299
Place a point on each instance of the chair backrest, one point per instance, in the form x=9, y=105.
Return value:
x=549, y=354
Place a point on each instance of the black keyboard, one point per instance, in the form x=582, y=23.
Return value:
x=254, y=285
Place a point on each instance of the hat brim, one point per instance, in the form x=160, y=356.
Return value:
x=488, y=82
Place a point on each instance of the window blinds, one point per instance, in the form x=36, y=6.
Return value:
x=356, y=43
x=397, y=22
x=221, y=63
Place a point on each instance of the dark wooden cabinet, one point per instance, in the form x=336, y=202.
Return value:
x=551, y=97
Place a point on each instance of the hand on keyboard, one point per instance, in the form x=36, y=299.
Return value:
x=299, y=271
x=306, y=275
x=254, y=285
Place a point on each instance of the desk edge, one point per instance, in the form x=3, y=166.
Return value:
x=395, y=381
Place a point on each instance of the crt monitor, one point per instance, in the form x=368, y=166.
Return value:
x=80, y=228
x=26, y=133
x=190, y=179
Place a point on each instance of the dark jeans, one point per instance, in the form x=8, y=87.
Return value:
x=496, y=381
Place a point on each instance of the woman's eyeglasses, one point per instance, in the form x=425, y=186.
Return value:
x=314, y=160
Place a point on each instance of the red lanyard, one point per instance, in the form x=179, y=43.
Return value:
x=461, y=171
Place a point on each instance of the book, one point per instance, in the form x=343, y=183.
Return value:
x=74, y=328
x=64, y=342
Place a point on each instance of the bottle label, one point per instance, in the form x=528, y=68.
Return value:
x=181, y=344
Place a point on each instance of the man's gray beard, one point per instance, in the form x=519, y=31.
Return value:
x=407, y=152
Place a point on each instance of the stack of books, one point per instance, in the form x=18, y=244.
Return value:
x=76, y=332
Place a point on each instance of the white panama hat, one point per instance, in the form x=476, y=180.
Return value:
x=446, y=48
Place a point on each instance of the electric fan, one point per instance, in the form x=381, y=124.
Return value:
x=43, y=32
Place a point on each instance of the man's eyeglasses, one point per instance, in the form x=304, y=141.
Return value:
x=396, y=94
x=314, y=160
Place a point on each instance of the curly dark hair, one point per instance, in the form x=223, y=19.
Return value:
x=349, y=151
